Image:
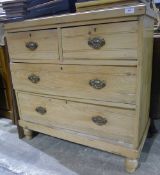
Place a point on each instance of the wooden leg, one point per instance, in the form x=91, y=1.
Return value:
x=131, y=165
x=28, y=133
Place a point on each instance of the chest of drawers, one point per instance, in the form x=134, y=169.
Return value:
x=85, y=78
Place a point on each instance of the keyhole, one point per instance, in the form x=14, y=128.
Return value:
x=95, y=29
x=30, y=35
x=61, y=68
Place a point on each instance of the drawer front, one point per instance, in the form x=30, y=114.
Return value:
x=100, y=121
x=106, y=41
x=34, y=45
x=101, y=83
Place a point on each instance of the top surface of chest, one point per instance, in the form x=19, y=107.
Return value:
x=73, y=19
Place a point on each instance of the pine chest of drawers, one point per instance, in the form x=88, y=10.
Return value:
x=86, y=77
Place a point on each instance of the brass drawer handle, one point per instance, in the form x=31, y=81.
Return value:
x=32, y=45
x=100, y=121
x=97, y=84
x=96, y=43
x=41, y=110
x=34, y=78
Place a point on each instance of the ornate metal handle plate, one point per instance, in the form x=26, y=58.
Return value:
x=97, y=84
x=100, y=121
x=96, y=43
x=34, y=78
x=41, y=110
x=32, y=45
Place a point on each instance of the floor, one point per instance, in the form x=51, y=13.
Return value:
x=44, y=155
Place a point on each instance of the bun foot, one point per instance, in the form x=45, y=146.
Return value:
x=28, y=134
x=131, y=165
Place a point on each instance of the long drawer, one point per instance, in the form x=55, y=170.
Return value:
x=103, y=122
x=101, y=83
x=41, y=46
x=101, y=42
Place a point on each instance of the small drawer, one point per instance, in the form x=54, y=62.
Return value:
x=32, y=46
x=102, y=42
x=100, y=83
x=99, y=121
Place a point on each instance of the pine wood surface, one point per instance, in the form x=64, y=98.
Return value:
x=106, y=6
x=97, y=2
x=47, y=41
x=108, y=3
x=63, y=93
x=73, y=81
x=71, y=19
x=78, y=117
x=119, y=37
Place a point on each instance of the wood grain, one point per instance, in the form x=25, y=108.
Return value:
x=63, y=92
x=125, y=150
x=70, y=19
x=78, y=117
x=73, y=81
x=144, y=78
x=121, y=41
x=47, y=49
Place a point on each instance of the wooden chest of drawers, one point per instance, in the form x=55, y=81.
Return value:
x=86, y=77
